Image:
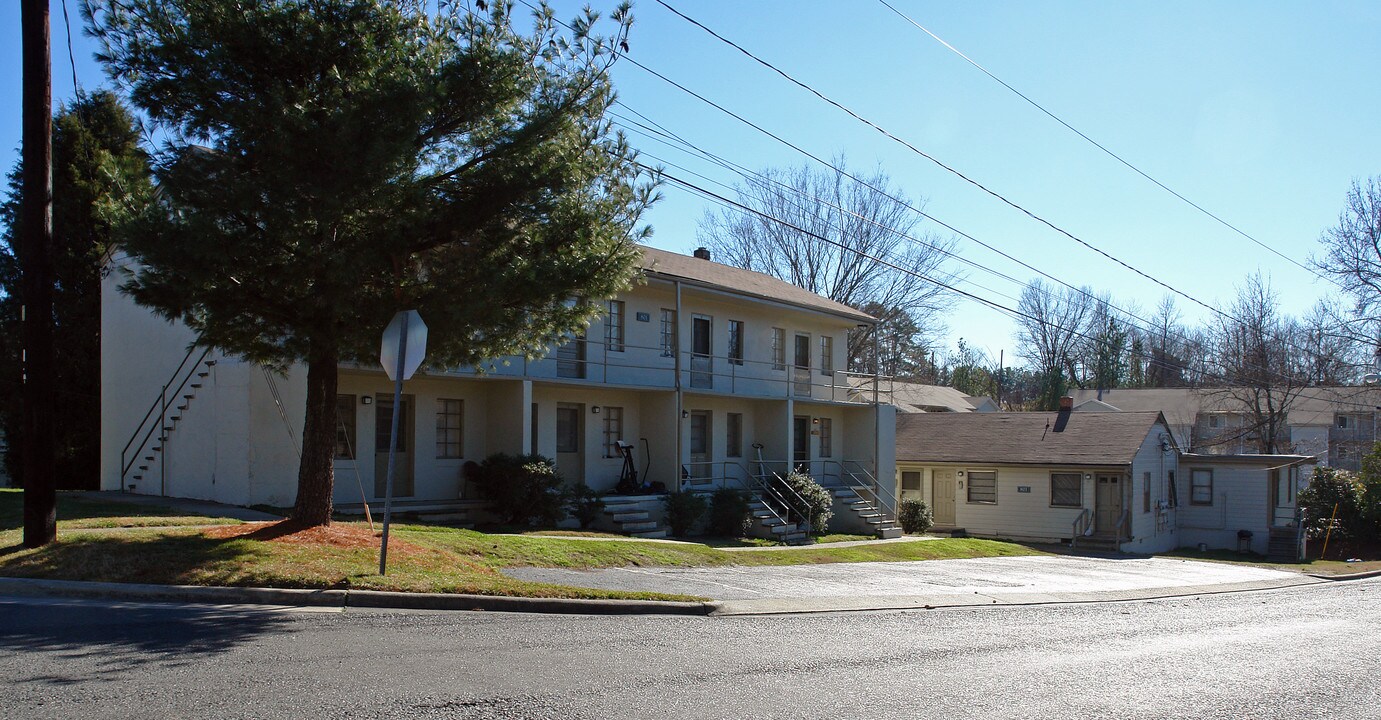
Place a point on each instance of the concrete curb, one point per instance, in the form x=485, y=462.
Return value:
x=989, y=600
x=1351, y=576
x=342, y=598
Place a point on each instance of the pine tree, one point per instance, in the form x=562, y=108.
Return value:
x=96, y=157
x=329, y=163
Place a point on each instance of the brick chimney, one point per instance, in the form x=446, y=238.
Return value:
x=1066, y=403
x=702, y=253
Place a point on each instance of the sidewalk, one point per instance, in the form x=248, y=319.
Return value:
x=194, y=507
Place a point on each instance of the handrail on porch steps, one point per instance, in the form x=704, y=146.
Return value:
x=163, y=421
x=866, y=486
x=776, y=502
x=1082, y=527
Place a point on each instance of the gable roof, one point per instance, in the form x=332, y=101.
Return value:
x=709, y=273
x=1025, y=438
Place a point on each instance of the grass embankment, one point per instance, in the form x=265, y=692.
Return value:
x=1313, y=566
x=118, y=542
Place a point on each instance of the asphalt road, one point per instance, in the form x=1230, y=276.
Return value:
x=1306, y=652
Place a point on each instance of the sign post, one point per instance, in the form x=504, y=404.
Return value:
x=404, y=345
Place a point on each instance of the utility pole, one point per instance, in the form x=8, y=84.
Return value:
x=34, y=251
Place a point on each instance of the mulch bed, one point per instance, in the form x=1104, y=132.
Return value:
x=291, y=532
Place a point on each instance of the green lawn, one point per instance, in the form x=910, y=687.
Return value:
x=117, y=542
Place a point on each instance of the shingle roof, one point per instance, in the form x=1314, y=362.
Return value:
x=746, y=282
x=1024, y=438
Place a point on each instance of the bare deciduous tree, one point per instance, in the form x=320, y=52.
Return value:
x=1255, y=349
x=1049, y=334
x=826, y=233
x=1352, y=250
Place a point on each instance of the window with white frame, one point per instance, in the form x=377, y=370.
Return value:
x=1200, y=487
x=613, y=430
x=1066, y=490
x=736, y=342
x=614, y=327
x=733, y=445
x=449, y=417
x=778, y=348
x=826, y=355
x=668, y=332
x=826, y=437
x=982, y=487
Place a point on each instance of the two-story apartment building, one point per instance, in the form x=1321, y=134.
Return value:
x=697, y=366
x=1336, y=426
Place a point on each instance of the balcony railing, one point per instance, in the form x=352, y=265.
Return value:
x=646, y=366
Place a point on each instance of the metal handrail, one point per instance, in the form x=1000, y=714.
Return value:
x=159, y=402
x=723, y=367
x=872, y=487
x=768, y=490
x=1121, y=521
x=1080, y=527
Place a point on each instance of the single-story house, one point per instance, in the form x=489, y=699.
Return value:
x=1111, y=480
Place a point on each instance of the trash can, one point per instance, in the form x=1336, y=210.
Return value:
x=1244, y=541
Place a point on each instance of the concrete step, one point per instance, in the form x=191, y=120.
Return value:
x=650, y=534
x=797, y=538
x=889, y=532
x=637, y=527
x=633, y=516
x=773, y=523
x=784, y=529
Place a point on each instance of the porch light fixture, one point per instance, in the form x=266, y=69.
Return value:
x=960, y=473
x=685, y=414
x=594, y=409
x=366, y=400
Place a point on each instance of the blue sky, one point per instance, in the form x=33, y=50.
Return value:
x=1262, y=112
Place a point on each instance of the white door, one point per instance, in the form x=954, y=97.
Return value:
x=701, y=445
x=402, y=463
x=570, y=442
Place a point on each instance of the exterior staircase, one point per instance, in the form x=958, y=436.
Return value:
x=1284, y=545
x=877, y=519
x=769, y=524
x=140, y=460
x=1097, y=543
x=632, y=515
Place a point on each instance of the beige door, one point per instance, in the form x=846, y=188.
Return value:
x=942, y=495
x=570, y=442
x=1107, y=503
x=402, y=464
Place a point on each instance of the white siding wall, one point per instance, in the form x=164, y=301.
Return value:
x=1017, y=514
x=1152, y=531
x=1241, y=495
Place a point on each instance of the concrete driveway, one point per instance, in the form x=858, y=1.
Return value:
x=933, y=583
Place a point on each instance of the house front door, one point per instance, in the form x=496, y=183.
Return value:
x=570, y=442
x=702, y=352
x=800, y=444
x=701, y=451
x=1107, y=504
x=402, y=464
x=942, y=497
x=801, y=366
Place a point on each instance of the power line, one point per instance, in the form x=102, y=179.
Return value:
x=918, y=151
x=939, y=163
x=1104, y=148
x=1015, y=313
